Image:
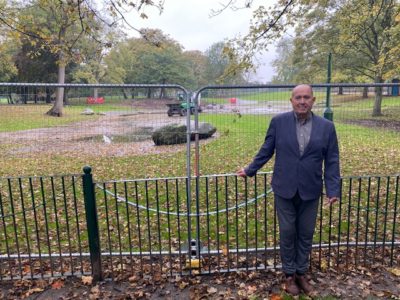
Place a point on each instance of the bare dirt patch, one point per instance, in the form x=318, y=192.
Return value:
x=114, y=134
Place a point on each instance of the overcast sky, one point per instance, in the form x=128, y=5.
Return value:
x=189, y=22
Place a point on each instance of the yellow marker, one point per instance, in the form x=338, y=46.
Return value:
x=193, y=264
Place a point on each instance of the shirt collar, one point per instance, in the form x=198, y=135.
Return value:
x=303, y=121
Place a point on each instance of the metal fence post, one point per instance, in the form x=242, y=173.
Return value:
x=328, y=113
x=92, y=223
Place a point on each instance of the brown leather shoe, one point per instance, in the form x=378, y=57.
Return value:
x=290, y=286
x=303, y=283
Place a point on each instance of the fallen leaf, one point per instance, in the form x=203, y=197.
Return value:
x=94, y=293
x=27, y=269
x=157, y=277
x=275, y=297
x=242, y=293
x=251, y=289
x=324, y=265
x=395, y=271
x=56, y=285
x=87, y=280
x=212, y=290
x=133, y=278
x=32, y=291
x=183, y=284
x=138, y=294
x=95, y=290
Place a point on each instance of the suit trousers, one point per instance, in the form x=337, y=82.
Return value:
x=297, y=220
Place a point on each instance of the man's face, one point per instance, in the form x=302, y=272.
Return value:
x=302, y=100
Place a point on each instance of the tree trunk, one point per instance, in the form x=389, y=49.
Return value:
x=65, y=98
x=35, y=95
x=365, y=93
x=162, y=92
x=57, y=109
x=95, y=93
x=377, y=111
x=125, y=94
x=24, y=95
x=148, y=93
x=48, y=95
x=340, y=92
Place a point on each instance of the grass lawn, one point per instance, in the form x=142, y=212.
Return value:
x=345, y=107
x=362, y=109
x=270, y=95
x=278, y=94
x=23, y=117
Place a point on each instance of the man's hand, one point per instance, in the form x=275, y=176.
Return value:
x=241, y=173
x=331, y=200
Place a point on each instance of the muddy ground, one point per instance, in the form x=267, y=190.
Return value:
x=114, y=133
x=128, y=132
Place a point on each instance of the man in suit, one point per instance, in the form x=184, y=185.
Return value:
x=303, y=143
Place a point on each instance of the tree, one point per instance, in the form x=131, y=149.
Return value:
x=60, y=26
x=363, y=34
x=197, y=63
x=296, y=62
x=8, y=70
x=56, y=27
x=7, y=50
x=371, y=38
x=218, y=64
x=154, y=58
x=35, y=63
x=283, y=64
x=122, y=63
x=92, y=68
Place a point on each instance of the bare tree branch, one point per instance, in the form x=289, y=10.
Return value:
x=123, y=17
x=230, y=4
x=14, y=28
x=273, y=23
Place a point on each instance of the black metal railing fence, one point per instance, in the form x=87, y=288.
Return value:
x=148, y=226
x=43, y=230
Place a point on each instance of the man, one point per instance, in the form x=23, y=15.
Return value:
x=302, y=142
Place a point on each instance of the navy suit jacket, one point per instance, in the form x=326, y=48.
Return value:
x=303, y=173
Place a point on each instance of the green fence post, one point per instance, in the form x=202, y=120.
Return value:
x=328, y=113
x=92, y=223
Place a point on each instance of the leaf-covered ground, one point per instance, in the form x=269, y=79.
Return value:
x=372, y=283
